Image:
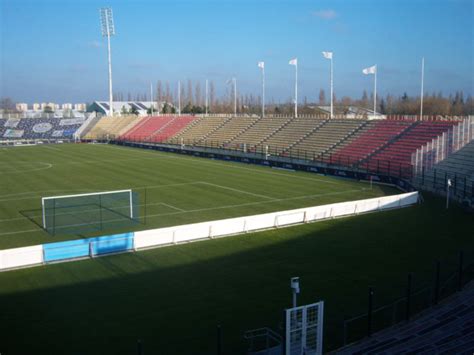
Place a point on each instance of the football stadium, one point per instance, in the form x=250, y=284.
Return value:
x=181, y=224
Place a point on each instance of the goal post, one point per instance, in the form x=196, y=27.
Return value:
x=89, y=211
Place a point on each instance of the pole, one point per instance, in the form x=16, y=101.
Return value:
x=369, y=311
x=219, y=340
x=235, y=96
x=447, y=193
x=461, y=255
x=263, y=91
x=436, y=286
x=179, y=97
x=151, y=98
x=408, y=299
x=375, y=89
x=206, y=95
x=139, y=347
x=332, y=95
x=296, y=89
x=422, y=84
x=111, y=110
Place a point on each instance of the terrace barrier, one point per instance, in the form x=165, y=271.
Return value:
x=118, y=243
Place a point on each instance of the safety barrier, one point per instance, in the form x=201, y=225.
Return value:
x=221, y=228
x=73, y=249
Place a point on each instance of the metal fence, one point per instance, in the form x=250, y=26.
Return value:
x=440, y=148
x=449, y=277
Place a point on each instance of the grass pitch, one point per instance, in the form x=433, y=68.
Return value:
x=173, y=189
x=173, y=298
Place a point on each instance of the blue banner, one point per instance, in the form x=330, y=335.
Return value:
x=66, y=250
x=72, y=249
x=111, y=244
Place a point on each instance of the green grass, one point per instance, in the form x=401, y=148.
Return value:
x=172, y=298
x=178, y=189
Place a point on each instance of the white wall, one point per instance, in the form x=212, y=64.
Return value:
x=184, y=233
x=27, y=256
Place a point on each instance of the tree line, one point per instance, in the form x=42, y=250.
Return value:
x=193, y=100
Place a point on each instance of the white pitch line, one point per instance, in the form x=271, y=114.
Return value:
x=47, y=166
x=256, y=203
x=236, y=190
x=172, y=207
x=87, y=190
x=216, y=162
x=217, y=207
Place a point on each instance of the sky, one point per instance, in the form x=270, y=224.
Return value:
x=52, y=50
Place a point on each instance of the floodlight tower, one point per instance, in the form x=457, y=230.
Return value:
x=108, y=30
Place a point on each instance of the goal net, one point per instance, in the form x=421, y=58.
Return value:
x=73, y=214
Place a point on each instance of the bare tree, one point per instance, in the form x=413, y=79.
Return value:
x=197, y=94
x=168, y=92
x=159, y=91
x=322, y=97
x=189, y=96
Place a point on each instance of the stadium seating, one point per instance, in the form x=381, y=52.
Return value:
x=258, y=132
x=397, y=153
x=293, y=132
x=39, y=128
x=376, y=135
x=326, y=136
x=111, y=127
x=176, y=125
x=459, y=167
x=146, y=128
x=384, y=145
x=196, y=133
x=230, y=130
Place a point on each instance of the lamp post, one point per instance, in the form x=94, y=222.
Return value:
x=108, y=30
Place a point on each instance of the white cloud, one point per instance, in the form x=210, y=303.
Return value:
x=325, y=14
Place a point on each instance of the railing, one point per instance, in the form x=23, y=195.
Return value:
x=266, y=152
x=449, y=278
x=436, y=180
x=263, y=341
x=440, y=148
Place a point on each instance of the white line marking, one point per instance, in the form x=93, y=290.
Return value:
x=47, y=166
x=228, y=165
x=216, y=208
x=236, y=190
x=171, y=206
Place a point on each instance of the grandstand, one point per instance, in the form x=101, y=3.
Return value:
x=39, y=128
x=111, y=127
x=258, y=132
x=383, y=146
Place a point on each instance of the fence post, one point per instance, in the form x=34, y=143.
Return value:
x=139, y=347
x=369, y=311
x=436, y=288
x=145, y=205
x=344, y=332
x=461, y=257
x=407, y=314
x=219, y=339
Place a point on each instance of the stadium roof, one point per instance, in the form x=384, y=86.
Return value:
x=118, y=106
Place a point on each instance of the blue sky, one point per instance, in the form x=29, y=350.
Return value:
x=52, y=50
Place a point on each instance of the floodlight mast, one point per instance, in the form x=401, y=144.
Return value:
x=108, y=30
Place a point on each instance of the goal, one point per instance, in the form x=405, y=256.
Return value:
x=73, y=214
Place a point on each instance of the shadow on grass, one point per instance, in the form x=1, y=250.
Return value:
x=174, y=297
